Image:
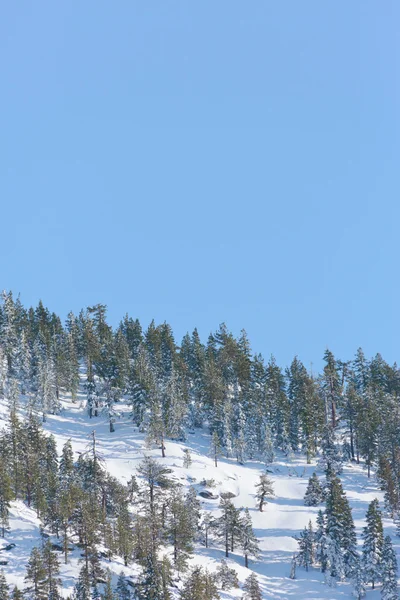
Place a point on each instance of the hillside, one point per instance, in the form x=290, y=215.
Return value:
x=284, y=516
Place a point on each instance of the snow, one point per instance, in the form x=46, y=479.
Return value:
x=284, y=515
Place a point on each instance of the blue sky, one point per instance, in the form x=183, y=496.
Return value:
x=200, y=162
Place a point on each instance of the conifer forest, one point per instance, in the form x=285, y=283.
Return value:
x=137, y=466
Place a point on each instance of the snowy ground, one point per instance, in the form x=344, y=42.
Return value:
x=282, y=519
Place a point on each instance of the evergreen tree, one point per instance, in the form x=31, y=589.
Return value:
x=82, y=589
x=332, y=458
x=306, y=555
x=228, y=525
x=249, y=541
x=108, y=591
x=332, y=387
x=226, y=577
x=389, y=571
x=16, y=594
x=200, y=585
x=314, y=494
x=4, y=595
x=264, y=490
x=215, y=446
x=180, y=528
x=51, y=567
x=321, y=542
x=123, y=592
x=5, y=498
x=252, y=588
x=340, y=532
x=358, y=582
x=36, y=575
x=187, y=458
x=373, y=544
x=150, y=585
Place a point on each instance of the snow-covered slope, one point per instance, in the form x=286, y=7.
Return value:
x=283, y=518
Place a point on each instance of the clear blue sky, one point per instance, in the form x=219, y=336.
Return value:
x=200, y=162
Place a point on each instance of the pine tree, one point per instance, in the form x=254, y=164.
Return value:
x=226, y=577
x=227, y=526
x=373, y=544
x=252, y=588
x=36, y=574
x=331, y=386
x=320, y=539
x=4, y=595
x=215, y=446
x=306, y=555
x=16, y=594
x=389, y=571
x=264, y=490
x=180, y=528
x=249, y=541
x=124, y=535
x=123, y=592
x=82, y=589
x=150, y=585
x=200, y=585
x=358, y=582
x=332, y=459
x=6, y=496
x=314, y=494
x=339, y=531
x=51, y=567
x=108, y=593
x=187, y=458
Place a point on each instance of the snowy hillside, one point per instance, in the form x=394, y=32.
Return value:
x=283, y=517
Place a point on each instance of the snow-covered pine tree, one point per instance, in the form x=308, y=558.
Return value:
x=187, y=458
x=16, y=594
x=249, y=541
x=123, y=592
x=199, y=585
x=314, y=494
x=180, y=529
x=358, y=581
x=82, y=590
x=332, y=458
x=306, y=554
x=36, y=575
x=264, y=490
x=389, y=589
x=6, y=495
x=227, y=526
x=51, y=566
x=226, y=577
x=240, y=437
x=252, y=588
x=4, y=595
x=373, y=544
